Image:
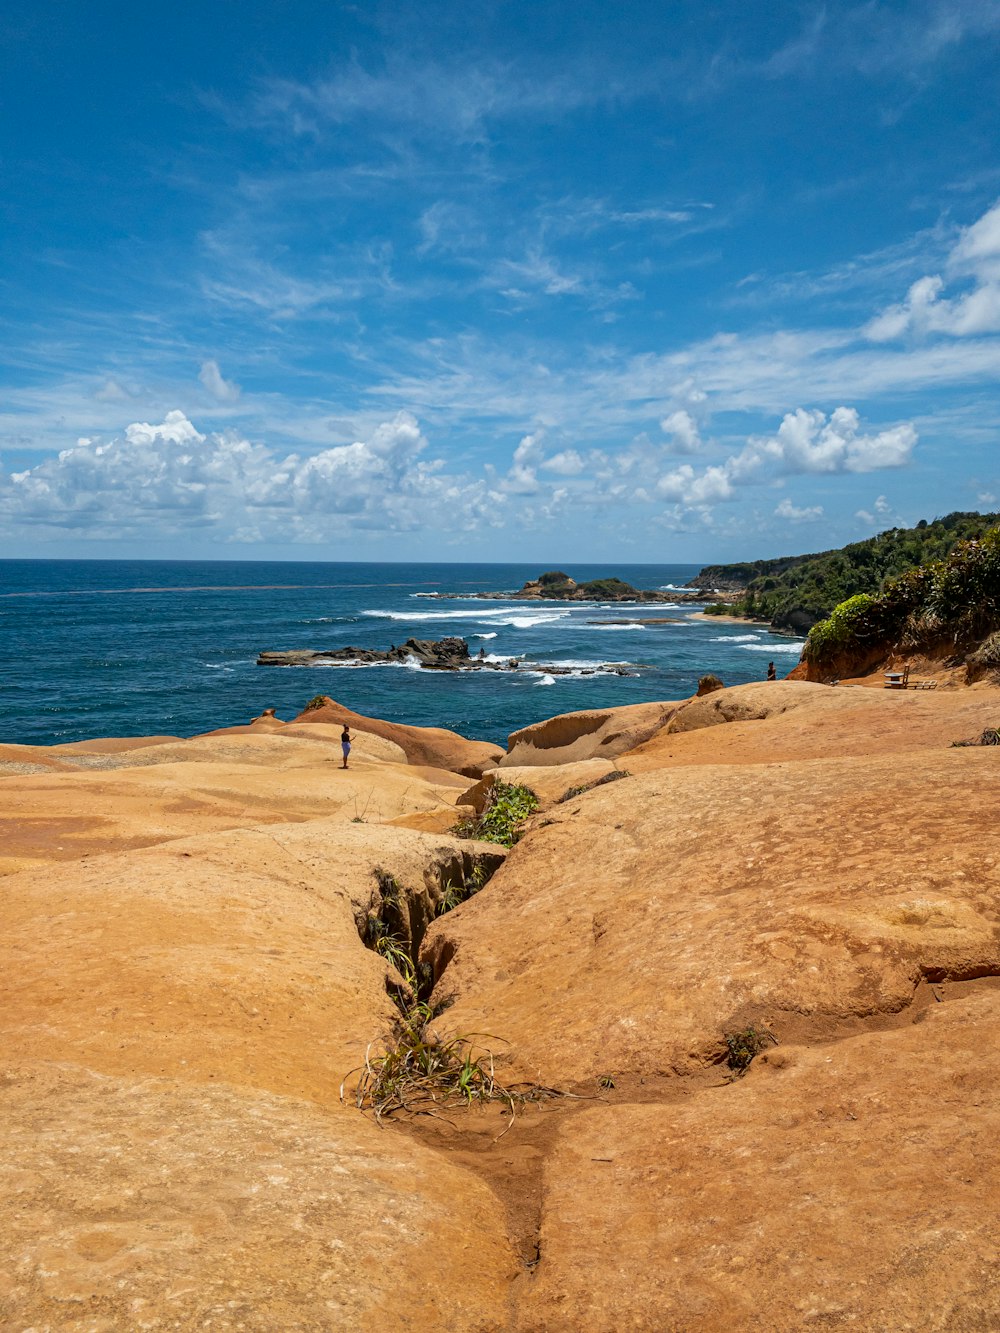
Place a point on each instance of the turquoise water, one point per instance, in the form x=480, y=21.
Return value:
x=120, y=648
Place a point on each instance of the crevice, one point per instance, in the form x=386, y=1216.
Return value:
x=397, y=918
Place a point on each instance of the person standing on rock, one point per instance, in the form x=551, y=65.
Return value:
x=345, y=743
x=771, y=673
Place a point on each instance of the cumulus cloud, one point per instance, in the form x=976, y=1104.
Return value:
x=805, y=442
x=169, y=477
x=682, y=429
x=926, y=309
x=787, y=510
x=568, y=463
x=222, y=390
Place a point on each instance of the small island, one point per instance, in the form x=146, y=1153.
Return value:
x=556, y=586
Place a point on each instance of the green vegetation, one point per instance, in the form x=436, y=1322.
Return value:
x=795, y=592
x=421, y=1071
x=952, y=603
x=744, y=1046
x=609, y=588
x=555, y=578
x=317, y=701
x=507, y=807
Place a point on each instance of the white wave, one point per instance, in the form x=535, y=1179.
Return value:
x=736, y=638
x=607, y=627
x=673, y=587
x=217, y=666
x=320, y=620
x=773, y=647
x=484, y=636
x=580, y=662
x=497, y=616
x=547, y=680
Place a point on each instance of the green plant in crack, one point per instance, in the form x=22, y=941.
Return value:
x=507, y=806
x=744, y=1046
x=421, y=1071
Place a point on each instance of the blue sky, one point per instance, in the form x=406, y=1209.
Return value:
x=664, y=281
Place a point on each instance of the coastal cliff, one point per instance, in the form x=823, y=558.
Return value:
x=766, y=916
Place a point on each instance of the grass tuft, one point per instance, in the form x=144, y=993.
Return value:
x=991, y=736
x=422, y=1071
x=744, y=1046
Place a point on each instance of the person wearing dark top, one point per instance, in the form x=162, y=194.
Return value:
x=345, y=743
x=771, y=673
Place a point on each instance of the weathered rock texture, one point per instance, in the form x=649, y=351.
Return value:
x=594, y=734
x=176, y=1018
x=847, y=1186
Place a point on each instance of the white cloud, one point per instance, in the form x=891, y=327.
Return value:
x=170, y=478
x=222, y=390
x=683, y=431
x=787, y=510
x=569, y=463
x=925, y=310
x=805, y=442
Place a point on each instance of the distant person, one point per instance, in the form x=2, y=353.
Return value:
x=345, y=742
x=771, y=673
x=482, y=654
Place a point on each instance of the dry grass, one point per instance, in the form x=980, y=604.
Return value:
x=422, y=1071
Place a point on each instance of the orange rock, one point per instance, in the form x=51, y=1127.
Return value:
x=432, y=746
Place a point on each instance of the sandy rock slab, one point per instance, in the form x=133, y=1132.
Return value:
x=848, y=1186
x=148, y=1205
x=141, y=796
x=634, y=925
x=233, y=957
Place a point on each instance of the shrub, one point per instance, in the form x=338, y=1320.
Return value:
x=744, y=1046
x=317, y=701
x=507, y=807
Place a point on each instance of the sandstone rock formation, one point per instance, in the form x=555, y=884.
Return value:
x=186, y=977
x=432, y=746
x=591, y=734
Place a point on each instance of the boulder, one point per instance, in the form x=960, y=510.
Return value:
x=591, y=734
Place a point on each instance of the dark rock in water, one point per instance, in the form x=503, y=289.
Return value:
x=441, y=654
x=433, y=655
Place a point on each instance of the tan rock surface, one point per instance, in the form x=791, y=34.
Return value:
x=138, y=797
x=550, y=783
x=233, y=957
x=154, y=1205
x=773, y=722
x=433, y=746
x=853, y=1185
x=639, y=921
x=592, y=734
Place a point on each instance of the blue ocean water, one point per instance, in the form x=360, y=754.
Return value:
x=121, y=648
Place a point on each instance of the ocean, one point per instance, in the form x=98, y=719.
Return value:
x=134, y=647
